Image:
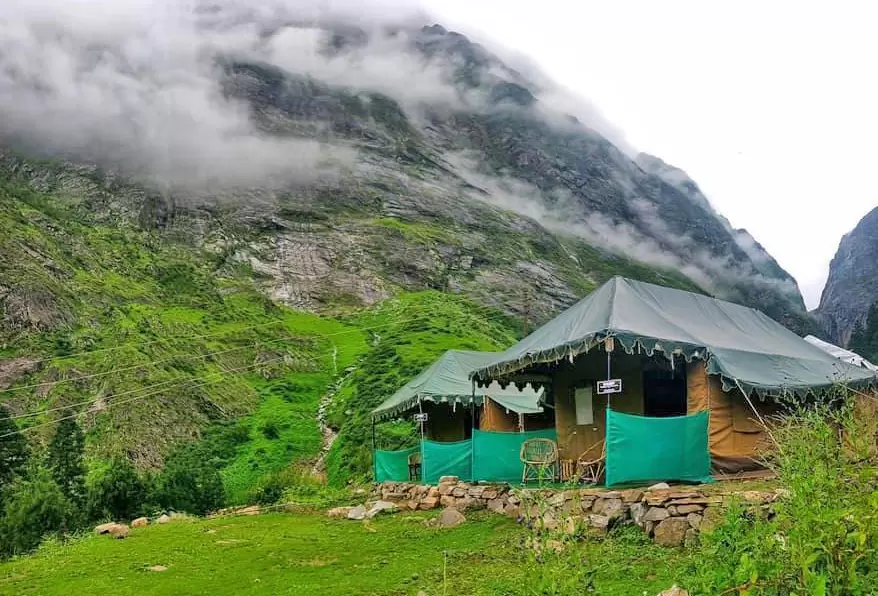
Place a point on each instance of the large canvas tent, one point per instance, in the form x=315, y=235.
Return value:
x=744, y=347
x=841, y=353
x=444, y=391
x=447, y=381
x=679, y=355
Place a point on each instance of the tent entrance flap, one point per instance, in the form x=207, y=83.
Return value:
x=644, y=450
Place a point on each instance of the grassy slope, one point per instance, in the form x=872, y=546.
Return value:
x=304, y=554
x=410, y=333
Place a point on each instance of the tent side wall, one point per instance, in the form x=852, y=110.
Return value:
x=494, y=417
x=736, y=436
x=446, y=424
x=574, y=439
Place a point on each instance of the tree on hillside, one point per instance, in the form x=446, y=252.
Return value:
x=117, y=492
x=190, y=482
x=35, y=507
x=65, y=458
x=864, y=341
x=13, y=448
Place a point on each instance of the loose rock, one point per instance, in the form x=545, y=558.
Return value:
x=450, y=518
x=158, y=568
x=694, y=520
x=674, y=591
x=104, y=528
x=163, y=519
x=339, y=512
x=119, y=531
x=659, y=486
x=381, y=507
x=140, y=522
x=358, y=513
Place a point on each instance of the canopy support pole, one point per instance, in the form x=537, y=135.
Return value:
x=608, y=348
x=374, y=443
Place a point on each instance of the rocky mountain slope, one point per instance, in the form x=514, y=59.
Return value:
x=290, y=233
x=852, y=286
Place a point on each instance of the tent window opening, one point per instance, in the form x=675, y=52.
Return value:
x=664, y=388
x=582, y=398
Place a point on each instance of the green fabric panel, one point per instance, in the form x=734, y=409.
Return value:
x=392, y=466
x=447, y=381
x=446, y=459
x=645, y=450
x=496, y=456
x=746, y=347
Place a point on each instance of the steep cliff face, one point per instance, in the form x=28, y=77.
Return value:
x=852, y=286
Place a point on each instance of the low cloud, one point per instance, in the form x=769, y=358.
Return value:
x=557, y=211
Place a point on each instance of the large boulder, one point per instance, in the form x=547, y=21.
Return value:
x=119, y=531
x=450, y=518
x=672, y=531
x=163, y=519
x=140, y=522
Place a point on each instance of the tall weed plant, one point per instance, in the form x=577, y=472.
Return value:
x=823, y=538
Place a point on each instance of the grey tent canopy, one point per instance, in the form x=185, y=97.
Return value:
x=748, y=349
x=841, y=353
x=448, y=381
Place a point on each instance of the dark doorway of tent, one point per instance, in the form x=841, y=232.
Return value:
x=664, y=388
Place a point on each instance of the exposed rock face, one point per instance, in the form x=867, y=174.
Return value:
x=852, y=286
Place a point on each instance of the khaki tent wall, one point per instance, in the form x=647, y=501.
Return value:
x=494, y=417
x=573, y=439
x=736, y=435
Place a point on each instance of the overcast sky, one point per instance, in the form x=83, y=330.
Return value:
x=771, y=107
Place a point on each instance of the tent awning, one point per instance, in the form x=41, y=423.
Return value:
x=448, y=381
x=748, y=349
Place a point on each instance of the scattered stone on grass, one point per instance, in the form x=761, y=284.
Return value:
x=357, y=513
x=119, y=531
x=339, y=512
x=674, y=591
x=450, y=518
x=104, y=528
x=163, y=519
x=381, y=507
x=140, y=522
x=158, y=568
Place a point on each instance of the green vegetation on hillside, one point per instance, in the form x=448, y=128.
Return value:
x=409, y=334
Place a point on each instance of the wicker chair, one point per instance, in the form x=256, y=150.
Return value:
x=540, y=459
x=591, y=463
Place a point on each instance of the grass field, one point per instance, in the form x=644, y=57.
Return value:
x=311, y=554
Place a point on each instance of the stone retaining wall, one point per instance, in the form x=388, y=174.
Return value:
x=670, y=515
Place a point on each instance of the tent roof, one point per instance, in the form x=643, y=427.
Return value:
x=840, y=353
x=448, y=381
x=747, y=348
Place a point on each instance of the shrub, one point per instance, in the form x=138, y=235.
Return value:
x=35, y=507
x=190, y=482
x=117, y=492
x=823, y=539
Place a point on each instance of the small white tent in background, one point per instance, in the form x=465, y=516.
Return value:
x=841, y=353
